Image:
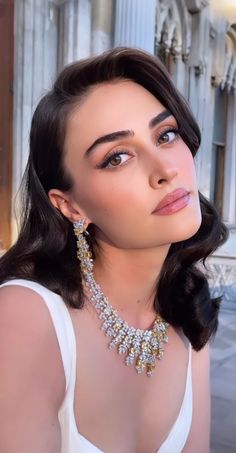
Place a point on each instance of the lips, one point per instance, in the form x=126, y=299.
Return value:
x=171, y=198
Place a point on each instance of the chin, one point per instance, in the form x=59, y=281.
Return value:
x=186, y=231
x=188, y=223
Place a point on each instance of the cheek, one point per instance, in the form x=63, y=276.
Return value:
x=107, y=196
x=115, y=211
x=187, y=168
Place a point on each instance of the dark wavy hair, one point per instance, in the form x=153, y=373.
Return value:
x=45, y=250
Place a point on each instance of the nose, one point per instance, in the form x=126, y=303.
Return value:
x=162, y=173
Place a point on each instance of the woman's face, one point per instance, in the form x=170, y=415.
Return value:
x=124, y=154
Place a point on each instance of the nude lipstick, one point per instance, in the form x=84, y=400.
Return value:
x=172, y=202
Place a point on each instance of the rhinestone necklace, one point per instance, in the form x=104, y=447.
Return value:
x=141, y=348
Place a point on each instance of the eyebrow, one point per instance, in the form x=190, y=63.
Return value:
x=114, y=136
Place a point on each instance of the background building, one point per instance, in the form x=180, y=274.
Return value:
x=196, y=40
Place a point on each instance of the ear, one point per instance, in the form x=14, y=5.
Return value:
x=63, y=203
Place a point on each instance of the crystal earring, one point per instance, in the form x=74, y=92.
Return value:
x=84, y=253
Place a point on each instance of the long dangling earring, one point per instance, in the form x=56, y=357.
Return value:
x=84, y=253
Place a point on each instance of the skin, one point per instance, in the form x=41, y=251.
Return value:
x=133, y=242
x=117, y=410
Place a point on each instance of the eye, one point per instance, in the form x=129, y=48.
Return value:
x=116, y=159
x=167, y=136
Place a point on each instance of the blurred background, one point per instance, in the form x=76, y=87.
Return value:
x=196, y=40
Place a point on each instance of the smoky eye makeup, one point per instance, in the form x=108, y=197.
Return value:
x=167, y=135
x=163, y=135
x=114, y=158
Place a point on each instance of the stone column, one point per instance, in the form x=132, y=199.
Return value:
x=102, y=24
x=229, y=200
x=35, y=67
x=135, y=24
x=74, y=31
x=199, y=95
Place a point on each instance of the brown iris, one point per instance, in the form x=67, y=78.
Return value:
x=164, y=138
x=115, y=160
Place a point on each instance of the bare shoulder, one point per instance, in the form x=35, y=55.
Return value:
x=201, y=366
x=201, y=356
x=199, y=437
x=17, y=300
x=26, y=326
x=32, y=378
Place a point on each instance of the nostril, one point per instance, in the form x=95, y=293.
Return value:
x=160, y=181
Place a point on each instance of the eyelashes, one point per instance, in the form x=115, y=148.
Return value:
x=114, y=158
x=161, y=137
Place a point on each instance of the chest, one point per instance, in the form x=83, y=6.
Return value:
x=117, y=409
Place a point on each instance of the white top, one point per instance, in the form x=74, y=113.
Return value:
x=72, y=440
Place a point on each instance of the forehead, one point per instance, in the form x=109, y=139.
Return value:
x=113, y=101
x=111, y=106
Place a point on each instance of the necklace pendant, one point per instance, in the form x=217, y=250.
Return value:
x=150, y=369
x=140, y=366
x=140, y=348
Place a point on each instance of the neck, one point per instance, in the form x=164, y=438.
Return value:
x=129, y=279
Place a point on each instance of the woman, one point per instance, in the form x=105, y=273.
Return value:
x=111, y=173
